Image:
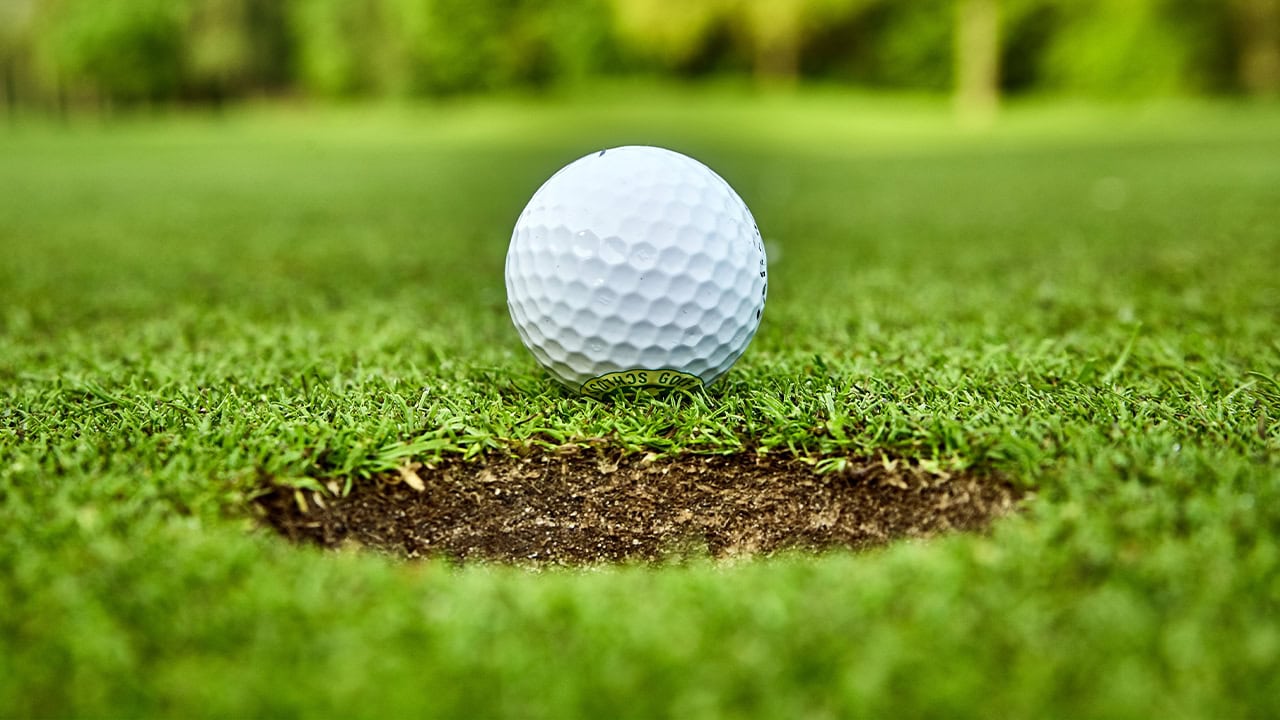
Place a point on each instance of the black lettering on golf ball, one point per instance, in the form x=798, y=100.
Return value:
x=639, y=379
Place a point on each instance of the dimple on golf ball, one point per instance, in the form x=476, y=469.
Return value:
x=636, y=267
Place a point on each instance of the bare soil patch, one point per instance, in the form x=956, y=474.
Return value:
x=587, y=508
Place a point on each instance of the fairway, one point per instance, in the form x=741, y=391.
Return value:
x=1081, y=302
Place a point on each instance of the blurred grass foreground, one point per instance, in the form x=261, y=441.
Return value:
x=77, y=55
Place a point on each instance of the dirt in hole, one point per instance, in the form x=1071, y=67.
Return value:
x=584, y=508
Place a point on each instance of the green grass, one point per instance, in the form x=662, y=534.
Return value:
x=1087, y=299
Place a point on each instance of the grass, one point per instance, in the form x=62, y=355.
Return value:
x=1083, y=298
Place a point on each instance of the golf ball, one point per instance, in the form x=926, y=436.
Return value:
x=636, y=267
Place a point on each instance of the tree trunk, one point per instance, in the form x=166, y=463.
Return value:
x=775, y=29
x=778, y=62
x=977, y=60
x=1259, y=59
x=9, y=88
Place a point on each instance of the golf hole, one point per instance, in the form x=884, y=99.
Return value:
x=589, y=507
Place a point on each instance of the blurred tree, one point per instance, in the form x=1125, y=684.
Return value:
x=452, y=46
x=1259, y=49
x=977, y=47
x=344, y=48
x=914, y=45
x=124, y=51
x=1027, y=28
x=881, y=43
x=775, y=31
x=15, y=30
x=159, y=50
x=783, y=39
x=669, y=33
x=219, y=48
x=579, y=36
x=1120, y=48
x=236, y=47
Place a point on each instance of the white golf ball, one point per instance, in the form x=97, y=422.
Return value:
x=636, y=267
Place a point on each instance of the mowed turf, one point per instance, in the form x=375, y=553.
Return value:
x=1084, y=300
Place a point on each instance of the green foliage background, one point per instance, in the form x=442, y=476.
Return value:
x=86, y=52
